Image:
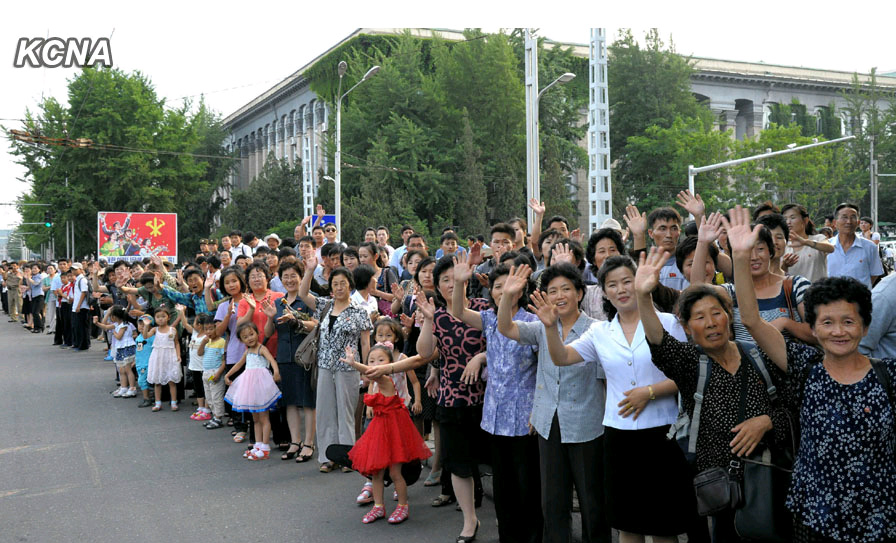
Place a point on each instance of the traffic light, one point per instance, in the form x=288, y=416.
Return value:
x=48, y=219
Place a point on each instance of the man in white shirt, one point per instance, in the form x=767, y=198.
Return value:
x=237, y=247
x=251, y=241
x=865, y=225
x=854, y=256
x=80, y=310
x=395, y=261
x=382, y=239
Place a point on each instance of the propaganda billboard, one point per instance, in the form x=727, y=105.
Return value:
x=135, y=236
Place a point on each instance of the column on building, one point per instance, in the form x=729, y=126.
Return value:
x=756, y=120
x=275, y=139
x=724, y=116
x=281, y=137
x=291, y=138
x=252, y=158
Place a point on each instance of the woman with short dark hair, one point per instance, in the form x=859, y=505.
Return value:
x=724, y=434
x=844, y=478
x=342, y=325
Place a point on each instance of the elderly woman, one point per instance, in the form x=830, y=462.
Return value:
x=705, y=312
x=844, y=479
x=640, y=407
x=568, y=406
x=342, y=325
x=290, y=319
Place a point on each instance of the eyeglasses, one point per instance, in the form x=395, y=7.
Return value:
x=330, y=230
x=848, y=218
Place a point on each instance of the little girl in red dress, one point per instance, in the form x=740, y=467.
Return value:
x=389, y=441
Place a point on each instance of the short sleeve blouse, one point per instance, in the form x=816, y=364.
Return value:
x=345, y=332
x=458, y=343
x=259, y=318
x=289, y=336
x=679, y=361
x=844, y=480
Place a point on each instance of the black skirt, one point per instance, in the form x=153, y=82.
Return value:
x=464, y=443
x=648, y=488
x=295, y=384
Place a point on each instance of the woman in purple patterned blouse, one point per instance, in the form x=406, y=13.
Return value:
x=507, y=407
x=459, y=404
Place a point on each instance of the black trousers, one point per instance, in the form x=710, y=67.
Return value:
x=81, y=329
x=5, y=301
x=565, y=466
x=63, y=325
x=37, y=312
x=517, y=486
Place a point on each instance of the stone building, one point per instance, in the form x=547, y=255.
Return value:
x=289, y=121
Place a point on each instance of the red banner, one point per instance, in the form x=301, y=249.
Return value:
x=135, y=236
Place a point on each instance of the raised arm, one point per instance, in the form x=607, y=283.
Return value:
x=708, y=232
x=305, y=285
x=646, y=279
x=742, y=238
x=426, y=341
x=637, y=224
x=547, y=312
x=692, y=203
x=463, y=272
x=513, y=286
x=535, y=227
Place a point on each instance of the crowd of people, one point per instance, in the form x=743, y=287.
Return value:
x=625, y=374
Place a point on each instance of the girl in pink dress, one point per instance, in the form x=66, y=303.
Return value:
x=255, y=390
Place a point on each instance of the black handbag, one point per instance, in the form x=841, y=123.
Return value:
x=717, y=490
x=764, y=515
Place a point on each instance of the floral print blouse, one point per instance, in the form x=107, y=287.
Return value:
x=457, y=344
x=844, y=480
x=344, y=332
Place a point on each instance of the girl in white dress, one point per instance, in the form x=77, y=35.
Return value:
x=164, y=362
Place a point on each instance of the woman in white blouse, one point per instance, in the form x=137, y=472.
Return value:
x=648, y=491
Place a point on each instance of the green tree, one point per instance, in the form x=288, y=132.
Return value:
x=654, y=167
x=274, y=196
x=141, y=158
x=471, y=212
x=647, y=86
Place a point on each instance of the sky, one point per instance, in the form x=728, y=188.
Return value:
x=231, y=52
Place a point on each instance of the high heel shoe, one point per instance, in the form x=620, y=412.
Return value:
x=469, y=538
x=290, y=455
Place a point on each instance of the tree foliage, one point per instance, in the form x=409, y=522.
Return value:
x=438, y=136
x=150, y=168
x=274, y=196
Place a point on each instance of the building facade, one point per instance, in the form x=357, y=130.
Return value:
x=290, y=121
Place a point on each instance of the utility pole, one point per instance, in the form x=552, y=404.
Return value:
x=533, y=189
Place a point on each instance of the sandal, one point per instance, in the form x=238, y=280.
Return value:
x=327, y=467
x=156, y=408
x=305, y=457
x=258, y=454
x=229, y=421
x=442, y=500
x=239, y=437
x=378, y=512
x=290, y=455
x=399, y=515
x=366, y=495
x=434, y=478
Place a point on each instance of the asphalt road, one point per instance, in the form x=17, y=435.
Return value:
x=79, y=465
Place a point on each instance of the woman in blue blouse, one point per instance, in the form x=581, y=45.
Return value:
x=844, y=480
x=508, y=404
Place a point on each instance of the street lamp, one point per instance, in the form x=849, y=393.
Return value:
x=342, y=67
x=533, y=160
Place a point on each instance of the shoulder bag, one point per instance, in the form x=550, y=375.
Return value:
x=306, y=353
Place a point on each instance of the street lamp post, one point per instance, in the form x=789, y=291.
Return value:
x=338, y=158
x=533, y=96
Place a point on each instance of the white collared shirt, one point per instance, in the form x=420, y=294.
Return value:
x=627, y=367
x=861, y=262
